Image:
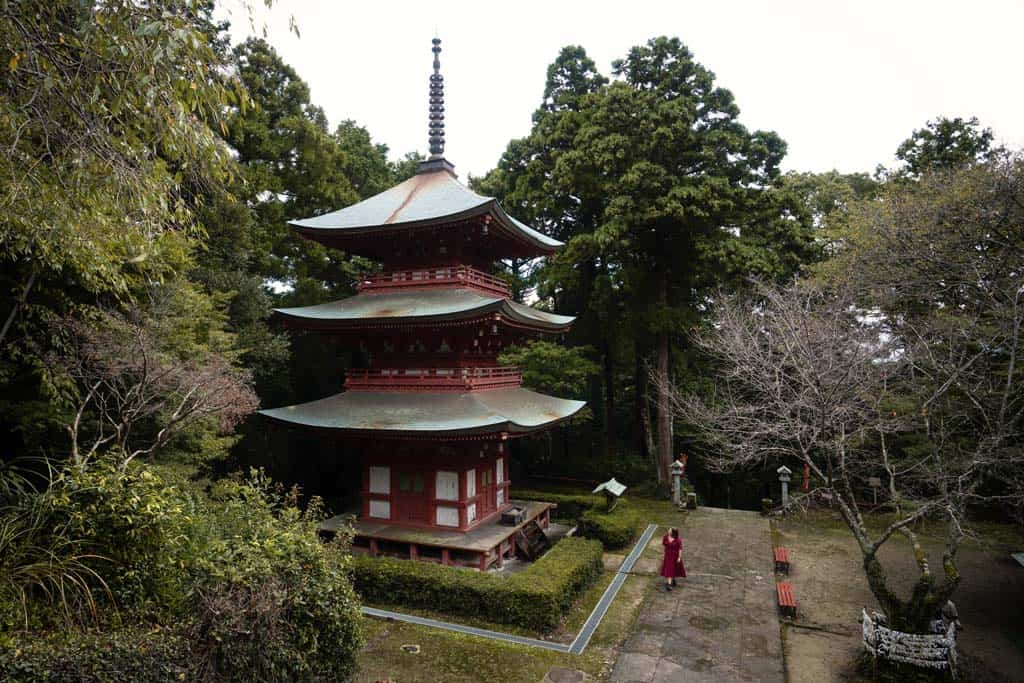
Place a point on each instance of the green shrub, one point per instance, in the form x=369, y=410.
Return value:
x=571, y=506
x=141, y=527
x=138, y=654
x=536, y=598
x=615, y=529
x=45, y=572
x=273, y=602
x=252, y=591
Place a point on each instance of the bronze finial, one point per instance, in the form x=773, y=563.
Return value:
x=436, y=105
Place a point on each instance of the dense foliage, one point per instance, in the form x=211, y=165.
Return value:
x=145, y=655
x=536, y=598
x=272, y=600
x=238, y=578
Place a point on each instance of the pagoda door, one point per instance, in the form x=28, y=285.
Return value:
x=410, y=500
x=486, y=491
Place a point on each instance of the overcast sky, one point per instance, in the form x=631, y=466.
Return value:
x=842, y=82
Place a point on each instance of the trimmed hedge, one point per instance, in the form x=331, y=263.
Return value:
x=571, y=506
x=134, y=654
x=614, y=529
x=536, y=598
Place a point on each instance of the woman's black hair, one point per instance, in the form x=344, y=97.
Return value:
x=674, y=532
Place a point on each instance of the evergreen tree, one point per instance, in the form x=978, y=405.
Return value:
x=663, y=196
x=945, y=144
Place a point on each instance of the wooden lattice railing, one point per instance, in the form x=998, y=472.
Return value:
x=432, y=379
x=431, y=277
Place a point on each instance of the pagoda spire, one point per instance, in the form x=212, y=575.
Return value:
x=436, y=105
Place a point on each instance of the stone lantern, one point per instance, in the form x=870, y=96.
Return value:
x=785, y=474
x=677, y=479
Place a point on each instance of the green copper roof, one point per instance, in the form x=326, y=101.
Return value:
x=421, y=306
x=426, y=198
x=515, y=410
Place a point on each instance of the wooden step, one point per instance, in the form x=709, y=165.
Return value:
x=531, y=541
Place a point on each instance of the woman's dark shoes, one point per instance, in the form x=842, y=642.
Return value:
x=668, y=587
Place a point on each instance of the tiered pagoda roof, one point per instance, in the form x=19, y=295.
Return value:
x=436, y=237
x=432, y=198
x=426, y=307
x=510, y=411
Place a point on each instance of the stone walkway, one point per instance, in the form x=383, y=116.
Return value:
x=721, y=624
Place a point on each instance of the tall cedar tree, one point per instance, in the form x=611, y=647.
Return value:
x=663, y=196
x=525, y=183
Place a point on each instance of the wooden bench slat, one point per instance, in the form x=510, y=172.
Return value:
x=787, y=601
x=781, y=556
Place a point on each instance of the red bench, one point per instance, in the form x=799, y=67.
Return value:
x=787, y=601
x=781, y=560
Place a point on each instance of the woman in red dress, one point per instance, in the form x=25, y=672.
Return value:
x=672, y=565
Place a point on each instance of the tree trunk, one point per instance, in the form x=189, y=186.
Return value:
x=17, y=307
x=643, y=416
x=664, y=414
x=915, y=614
x=609, y=395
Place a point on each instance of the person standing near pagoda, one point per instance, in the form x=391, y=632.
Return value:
x=672, y=564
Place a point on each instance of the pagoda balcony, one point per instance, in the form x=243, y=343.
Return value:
x=457, y=276
x=432, y=379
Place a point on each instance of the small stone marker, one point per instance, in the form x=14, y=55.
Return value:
x=411, y=649
x=562, y=675
x=875, y=483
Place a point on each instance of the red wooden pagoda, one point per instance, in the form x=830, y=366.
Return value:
x=433, y=412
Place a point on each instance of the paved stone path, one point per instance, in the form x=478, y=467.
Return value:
x=721, y=623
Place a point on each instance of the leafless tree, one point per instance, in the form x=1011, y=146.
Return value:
x=134, y=397
x=900, y=361
x=807, y=376
x=944, y=257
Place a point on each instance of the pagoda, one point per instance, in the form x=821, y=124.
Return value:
x=432, y=413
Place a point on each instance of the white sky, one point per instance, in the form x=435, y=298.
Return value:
x=842, y=82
